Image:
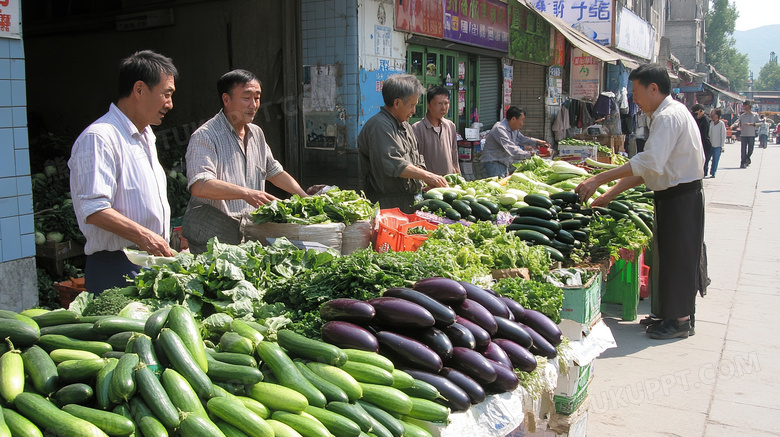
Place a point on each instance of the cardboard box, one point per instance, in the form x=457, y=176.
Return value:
x=583, y=304
x=471, y=134
x=576, y=331
x=567, y=405
x=574, y=379
x=520, y=272
x=580, y=152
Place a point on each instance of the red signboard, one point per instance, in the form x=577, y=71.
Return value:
x=425, y=17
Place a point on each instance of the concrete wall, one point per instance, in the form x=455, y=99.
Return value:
x=684, y=9
x=18, y=285
x=682, y=35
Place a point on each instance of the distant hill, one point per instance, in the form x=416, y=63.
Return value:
x=757, y=44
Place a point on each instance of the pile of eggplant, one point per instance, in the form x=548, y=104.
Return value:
x=464, y=340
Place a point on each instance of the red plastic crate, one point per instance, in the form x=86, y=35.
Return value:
x=411, y=243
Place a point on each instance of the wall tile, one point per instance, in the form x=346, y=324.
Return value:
x=12, y=244
x=7, y=119
x=17, y=69
x=8, y=207
x=22, y=162
x=28, y=245
x=25, y=204
x=5, y=92
x=21, y=141
x=1, y=251
x=18, y=93
x=5, y=68
x=8, y=187
x=7, y=165
x=4, y=48
x=23, y=185
x=19, y=116
x=16, y=47
x=26, y=224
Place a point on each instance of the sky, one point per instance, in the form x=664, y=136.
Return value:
x=757, y=13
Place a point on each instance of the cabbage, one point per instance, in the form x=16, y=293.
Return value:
x=135, y=310
x=56, y=237
x=40, y=238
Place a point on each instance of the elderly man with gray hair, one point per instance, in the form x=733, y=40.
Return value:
x=392, y=170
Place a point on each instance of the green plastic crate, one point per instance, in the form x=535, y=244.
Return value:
x=622, y=286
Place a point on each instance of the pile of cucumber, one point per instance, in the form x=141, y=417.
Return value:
x=557, y=222
x=457, y=205
x=66, y=375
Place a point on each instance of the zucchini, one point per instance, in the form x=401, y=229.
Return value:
x=287, y=374
x=565, y=236
x=433, y=195
x=91, y=319
x=145, y=420
x=111, y=423
x=156, y=322
x=619, y=206
x=103, y=383
x=119, y=340
x=183, y=363
x=20, y=333
x=367, y=357
x=554, y=253
x=115, y=324
x=342, y=379
x=228, y=429
x=561, y=246
x=255, y=406
x=462, y=207
x=580, y=235
x=57, y=317
x=533, y=236
x=233, y=358
x=412, y=430
x=233, y=373
x=306, y=426
x=277, y=397
x=283, y=430
x=422, y=389
x=535, y=221
x=481, y=212
x=353, y=412
x=236, y=343
x=424, y=205
x=617, y=215
x=452, y=214
x=79, y=370
x=363, y=372
x=401, y=379
x=143, y=347
x=450, y=196
x=11, y=315
x=51, y=342
x=337, y=424
x=180, y=392
x=195, y=425
x=19, y=425
x=639, y=223
x=437, y=205
x=123, y=384
x=388, y=398
x=424, y=409
x=155, y=396
x=562, y=216
x=73, y=394
x=41, y=369
x=540, y=229
x=60, y=355
x=331, y=391
x=379, y=430
x=181, y=322
x=78, y=331
x=566, y=196
x=11, y=374
x=571, y=225
x=393, y=425
x=314, y=350
x=491, y=206
x=235, y=413
x=538, y=200
x=51, y=419
x=243, y=329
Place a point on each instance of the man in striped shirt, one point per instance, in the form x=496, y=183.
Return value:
x=117, y=184
x=228, y=162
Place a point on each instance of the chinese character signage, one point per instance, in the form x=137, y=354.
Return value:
x=591, y=17
x=585, y=76
x=634, y=35
x=481, y=23
x=529, y=35
x=424, y=17
x=9, y=19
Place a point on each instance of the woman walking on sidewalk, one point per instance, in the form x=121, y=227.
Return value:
x=718, y=140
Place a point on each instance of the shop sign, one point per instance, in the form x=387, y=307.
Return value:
x=481, y=23
x=554, y=86
x=585, y=76
x=591, y=17
x=634, y=35
x=9, y=19
x=509, y=74
x=529, y=35
x=424, y=17
x=560, y=48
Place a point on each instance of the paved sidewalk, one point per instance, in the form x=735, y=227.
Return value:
x=724, y=381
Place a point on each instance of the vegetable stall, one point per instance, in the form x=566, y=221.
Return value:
x=275, y=339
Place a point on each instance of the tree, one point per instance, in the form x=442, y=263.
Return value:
x=719, y=23
x=769, y=78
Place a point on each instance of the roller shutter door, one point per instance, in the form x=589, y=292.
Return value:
x=489, y=81
x=528, y=92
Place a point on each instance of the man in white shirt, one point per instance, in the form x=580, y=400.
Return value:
x=672, y=165
x=117, y=184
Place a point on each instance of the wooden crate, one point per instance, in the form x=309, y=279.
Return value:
x=52, y=256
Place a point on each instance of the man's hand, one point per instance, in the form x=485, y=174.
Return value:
x=542, y=143
x=586, y=189
x=600, y=201
x=154, y=244
x=257, y=198
x=436, y=181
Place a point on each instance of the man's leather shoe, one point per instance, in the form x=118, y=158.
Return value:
x=669, y=329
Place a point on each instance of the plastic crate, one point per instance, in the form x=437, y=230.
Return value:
x=411, y=243
x=622, y=286
x=387, y=235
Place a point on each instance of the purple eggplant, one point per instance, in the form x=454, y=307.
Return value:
x=472, y=310
x=543, y=325
x=495, y=353
x=349, y=310
x=443, y=314
x=454, y=396
x=460, y=335
x=437, y=340
x=487, y=300
x=521, y=358
x=515, y=308
x=445, y=290
x=489, y=290
x=411, y=351
x=481, y=337
x=466, y=383
x=399, y=313
x=506, y=379
x=473, y=364
x=540, y=344
x=349, y=336
x=513, y=331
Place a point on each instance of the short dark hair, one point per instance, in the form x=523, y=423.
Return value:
x=653, y=73
x=146, y=66
x=514, y=112
x=231, y=79
x=719, y=113
x=437, y=91
x=696, y=108
x=747, y=103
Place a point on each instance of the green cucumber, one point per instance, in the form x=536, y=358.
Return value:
x=306, y=426
x=287, y=373
x=538, y=200
x=145, y=420
x=119, y=340
x=363, y=372
x=116, y=324
x=155, y=396
x=33, y=312
x=331, y=391
x=51, y=419
x=640, y=224
x=41, y=369
x=11, y=374
x=554, y=254
x=450, y=196
x=111, y=423
x=11, y=315
x=491, y=206
x=401, y=379
x=413, y=430
x=242, y=328
x=422, y=389
x=388, y=398
x=181, y=321
x=536, y=221
x=373, y=358
x=180, y=392
x=282, y=429
x=462, y=207
x=541, y=229
x=19, y=425
x=156, y=322
x=78, y=331
x=91, y=319
x=144, y=348
x=51, y=342
x=452, y=214
x=481, y=212
x=235, y=413
x=437, y=205
x=342, y=379
x=233, y=373
x=233, y=358
x=337, y=424
x=183, y=363
x=60, y=355
x=228, y=429
x=103, y=384
x=123, y=384
x=20, y=333
x=387, y=420
x=314, y=350
x=255, y=406
x=580, y=235
x=236, y=343
x=424, y=409
x=433, y=195
x=78, y=393
x=353, y=412
x=534, y=211
x=533, y=236
x=57, y=317
x=565, y=236
x=566, y=196
x=571, y=225
x=277, y=397
x=195, y=425
x=79, y=370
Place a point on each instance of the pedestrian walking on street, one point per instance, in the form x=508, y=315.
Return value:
x=704, y=129
x=672, y=165
x=763, y=132
x=747, y=122
x=717, y=139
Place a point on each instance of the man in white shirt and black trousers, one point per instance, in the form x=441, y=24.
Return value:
x=672, y=165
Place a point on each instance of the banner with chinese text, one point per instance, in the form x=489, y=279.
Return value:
x=591, y=17
x=481, y=23
x=529, y=35
x=9, y=19
x=424, y=17
x=585, y=76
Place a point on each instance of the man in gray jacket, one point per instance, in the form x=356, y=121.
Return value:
x=747, y=122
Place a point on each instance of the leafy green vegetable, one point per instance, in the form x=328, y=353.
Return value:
x=338, y=206
x=107, y=303
x=540, y=296
x=614, y=235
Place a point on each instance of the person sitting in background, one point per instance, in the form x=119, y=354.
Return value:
x=717, y=139
x=505, y=144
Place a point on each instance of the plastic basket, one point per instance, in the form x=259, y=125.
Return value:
x=68, y=290
x=387, y=235
x=411, y=243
